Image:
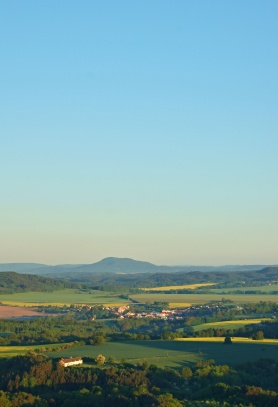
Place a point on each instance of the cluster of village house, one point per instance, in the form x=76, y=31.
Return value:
x=174, y=314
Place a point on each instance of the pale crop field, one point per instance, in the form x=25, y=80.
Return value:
x=178, y=287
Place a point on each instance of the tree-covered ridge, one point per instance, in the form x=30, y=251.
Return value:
x=11, y=282
x=112, y=281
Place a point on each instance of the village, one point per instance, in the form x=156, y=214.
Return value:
x=125, y=311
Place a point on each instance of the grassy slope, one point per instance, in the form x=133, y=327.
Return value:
x=176, y=353
x=180, y=353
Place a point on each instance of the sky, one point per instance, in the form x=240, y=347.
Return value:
x=141, y=129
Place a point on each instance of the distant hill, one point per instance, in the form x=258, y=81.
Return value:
x=125, y=265
x=21, y=267
x=11, y=282
x=118, y=265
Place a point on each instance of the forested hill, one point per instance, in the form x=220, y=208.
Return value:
x=270, y=271
x=14, y=282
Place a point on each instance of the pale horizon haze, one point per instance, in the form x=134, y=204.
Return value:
x=146, y=130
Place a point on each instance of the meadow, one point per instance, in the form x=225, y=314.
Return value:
x=62, y=297
x=179, y=353
x=182, y=300
x=172, y=353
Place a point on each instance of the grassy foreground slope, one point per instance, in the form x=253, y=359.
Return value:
x=179, y=353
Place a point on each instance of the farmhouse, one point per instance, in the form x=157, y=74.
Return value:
x=70, y=362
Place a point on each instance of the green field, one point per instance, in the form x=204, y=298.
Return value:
x=94, y=297
x=175, y=354
x=62, y=297
x=239, y=323
x=179, y=300
x=10, y=351
x=179, y=353
x=266, y=288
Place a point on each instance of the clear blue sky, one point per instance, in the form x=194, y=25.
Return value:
x=143, y=129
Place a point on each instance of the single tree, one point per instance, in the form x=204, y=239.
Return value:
x=100, y=359
x=258, y=336
x=228, y=340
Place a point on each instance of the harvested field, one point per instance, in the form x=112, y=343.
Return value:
x=16, y=312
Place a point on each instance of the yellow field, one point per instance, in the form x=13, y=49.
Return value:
x=221, y=339
x=236, y=322
x=180, y=304
x=178, y=287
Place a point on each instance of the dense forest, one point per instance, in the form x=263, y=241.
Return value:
x=11, y=282
x=36, y=380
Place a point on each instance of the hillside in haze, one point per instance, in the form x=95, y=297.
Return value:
x=118, y=265
x=21, y=267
